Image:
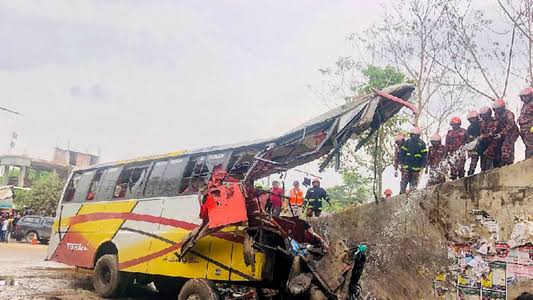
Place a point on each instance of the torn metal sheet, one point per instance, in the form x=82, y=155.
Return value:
x=321, y=136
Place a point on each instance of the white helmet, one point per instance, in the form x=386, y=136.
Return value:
x=472, y=114
x=416, y=130
x=436, y=138
x=484, y=110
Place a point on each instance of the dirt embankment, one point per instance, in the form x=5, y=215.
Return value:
x=411, y=238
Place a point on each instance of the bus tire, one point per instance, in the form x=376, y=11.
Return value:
x=198, y=289
x=315, y=293
x=108, y=281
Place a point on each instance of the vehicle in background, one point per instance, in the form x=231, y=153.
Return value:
x=31, y=225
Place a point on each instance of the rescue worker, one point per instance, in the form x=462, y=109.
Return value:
x=525, y=120
x=276, y=193
x=508, y=132
x=314, y=197
x=296, y=199
x=455, y=140
x=413, y=158
x=489, y=141
x=436, y=154
x=473, y=132
x=387, y=193
x=398, y=141
x=359, y=258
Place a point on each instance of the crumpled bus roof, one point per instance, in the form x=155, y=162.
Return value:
x=322, y=135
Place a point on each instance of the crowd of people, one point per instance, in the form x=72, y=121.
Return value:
x=295, y=201
x=489, y=140
x=7, y=226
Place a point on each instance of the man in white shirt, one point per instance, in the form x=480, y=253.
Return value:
x=3, y=235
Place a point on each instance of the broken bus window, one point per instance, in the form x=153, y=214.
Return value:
x=95, y=183
x=71, y=188
x=198, y=171
x=130, y=183
x=165, y=178
x=108, y=183
x=82, y=184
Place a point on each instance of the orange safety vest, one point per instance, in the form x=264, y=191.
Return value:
x=296, y=197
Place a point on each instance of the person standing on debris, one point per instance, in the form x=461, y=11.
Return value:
x=276, y=193
x=413, y=158
x=455, y=140
x=473, y=132
x=296, y=199
x=398, y=141
x=313, y=199
x=488, y=138
x=436, y=154
x=525, y=120
x=507, y=131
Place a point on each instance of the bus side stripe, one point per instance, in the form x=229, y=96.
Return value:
x=124, y=221
x=148, y=257
x=174, y=246
x=130, y=216
x=154, y=236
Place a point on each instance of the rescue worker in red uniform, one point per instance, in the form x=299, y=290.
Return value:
x=398, y=141
x=436, y=155
x=473, y=132
x=488, y=141
x=507, y=132
x=413, y=158
x=455, y=140
x=525, y=120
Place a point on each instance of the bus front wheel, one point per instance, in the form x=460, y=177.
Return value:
x=198, y=289
x=108, y=281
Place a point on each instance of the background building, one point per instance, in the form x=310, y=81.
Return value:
x=21, y=170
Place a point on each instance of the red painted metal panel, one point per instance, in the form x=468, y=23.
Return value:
x=225, y=201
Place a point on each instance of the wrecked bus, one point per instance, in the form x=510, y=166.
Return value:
x=190, y=221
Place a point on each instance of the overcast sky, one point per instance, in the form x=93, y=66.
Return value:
x=142, y=77
x=130, y=78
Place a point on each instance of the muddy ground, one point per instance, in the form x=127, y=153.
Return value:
x=25, y=275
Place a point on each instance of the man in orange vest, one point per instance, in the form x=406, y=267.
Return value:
x=296, y=199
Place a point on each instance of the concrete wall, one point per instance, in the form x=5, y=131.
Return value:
x=409, y=237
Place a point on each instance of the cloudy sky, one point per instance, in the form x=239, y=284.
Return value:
x=142, y=77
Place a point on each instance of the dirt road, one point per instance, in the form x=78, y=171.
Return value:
x=25, y=275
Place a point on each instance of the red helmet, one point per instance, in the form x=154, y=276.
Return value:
x=527, y=92
x=436, y=138
x=416, y=130
x=387, y=192
x=455, y=121
x=472, y=114
x=484, y=110
x=498, y=103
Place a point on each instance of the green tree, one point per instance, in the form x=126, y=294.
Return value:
x=378, y=153
x=355, y=189
x=378, y=78
x=43, y=196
